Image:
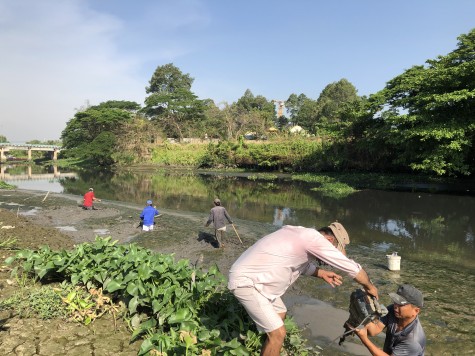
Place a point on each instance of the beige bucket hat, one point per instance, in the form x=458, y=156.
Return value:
x=341, y=235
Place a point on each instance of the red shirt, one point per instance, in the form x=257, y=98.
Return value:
x=88, y=198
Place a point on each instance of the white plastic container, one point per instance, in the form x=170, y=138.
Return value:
x=394, y=262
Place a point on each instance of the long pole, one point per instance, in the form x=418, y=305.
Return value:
x=236, y=233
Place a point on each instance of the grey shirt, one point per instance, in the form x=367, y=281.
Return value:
x=218, y=216
x=410, y=341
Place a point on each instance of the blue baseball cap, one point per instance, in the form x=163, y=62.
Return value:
x=149, y=202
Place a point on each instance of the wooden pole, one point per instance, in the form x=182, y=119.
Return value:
x=45, y=196
x=236, y=233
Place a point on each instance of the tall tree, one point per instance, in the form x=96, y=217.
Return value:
x=91, y=134
x=295, y=106
x=254, y=109
x=431, y=112
x=171, y=103
x=332, y=102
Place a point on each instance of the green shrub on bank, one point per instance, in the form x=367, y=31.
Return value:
x=188, y=155
x=290, y=155
x=4, y=185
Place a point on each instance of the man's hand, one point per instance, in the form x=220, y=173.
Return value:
x=362, y=332
x=331, y=278
x=372, y=290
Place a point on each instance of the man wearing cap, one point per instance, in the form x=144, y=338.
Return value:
x=404, y=334
x=89, y=199
x=218, y=216
x=262, y=274
x=148, y=215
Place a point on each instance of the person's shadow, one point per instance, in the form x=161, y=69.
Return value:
x=208, y=238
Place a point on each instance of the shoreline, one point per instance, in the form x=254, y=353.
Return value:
x=181, y=233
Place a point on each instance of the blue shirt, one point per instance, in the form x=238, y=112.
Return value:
x=410, y=341
x=148, y=213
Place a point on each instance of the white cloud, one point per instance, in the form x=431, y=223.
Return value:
x=56, y=55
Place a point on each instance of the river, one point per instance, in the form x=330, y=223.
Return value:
x=433, y=233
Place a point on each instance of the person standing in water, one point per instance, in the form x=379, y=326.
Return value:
x=218, y=216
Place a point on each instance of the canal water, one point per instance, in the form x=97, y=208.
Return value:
x=433, y=233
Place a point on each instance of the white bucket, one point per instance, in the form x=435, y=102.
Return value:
x=394, y=262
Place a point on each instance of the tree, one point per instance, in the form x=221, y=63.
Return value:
x=91, y=134
x=431, y=112
x=332, y=102
x=294, y=106
x=171, y=103
x=256, y=112
x=3, y=139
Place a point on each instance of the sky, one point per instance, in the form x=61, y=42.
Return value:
x=58, y=56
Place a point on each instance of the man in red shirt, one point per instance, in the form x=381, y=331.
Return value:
x=89, y=199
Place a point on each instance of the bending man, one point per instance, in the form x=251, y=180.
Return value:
x=89, y=199
x=148, y=216
x=262, y=274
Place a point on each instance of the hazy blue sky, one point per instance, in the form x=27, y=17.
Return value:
x=55, y=55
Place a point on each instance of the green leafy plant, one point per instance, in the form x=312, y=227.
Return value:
x=176, y=308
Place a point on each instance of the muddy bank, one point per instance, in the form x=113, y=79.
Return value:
x=34, y=219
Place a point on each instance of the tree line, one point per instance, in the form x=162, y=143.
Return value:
x=423, y=120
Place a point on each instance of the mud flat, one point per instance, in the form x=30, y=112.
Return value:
x=34, y=219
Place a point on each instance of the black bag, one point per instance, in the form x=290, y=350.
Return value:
x=363, y=309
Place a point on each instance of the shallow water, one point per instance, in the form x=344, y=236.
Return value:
x=433, y=233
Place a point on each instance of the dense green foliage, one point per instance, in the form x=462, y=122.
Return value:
x=421, y=122
x=178, y=309
x=92, y=135
x=290, y=155
x=424, y=120
x=189, y=155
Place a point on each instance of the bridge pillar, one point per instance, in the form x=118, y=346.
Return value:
x=29, y=154
x=55, y=171
x=55, y=155
x=2, y=171
x=3, y=158
x=29, y=172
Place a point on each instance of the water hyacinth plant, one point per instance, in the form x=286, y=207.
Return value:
x=176, y=308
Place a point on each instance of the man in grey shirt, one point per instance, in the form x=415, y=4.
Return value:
x=218, y=216
x=404, y=332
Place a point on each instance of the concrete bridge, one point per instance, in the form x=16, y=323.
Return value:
x=6, y=147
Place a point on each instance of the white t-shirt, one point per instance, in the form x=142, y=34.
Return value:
x=274, y=262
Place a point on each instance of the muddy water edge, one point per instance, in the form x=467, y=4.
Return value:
x=448, y=316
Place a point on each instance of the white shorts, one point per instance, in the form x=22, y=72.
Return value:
x=222, y=228
x=147, y=227
x=263, y=311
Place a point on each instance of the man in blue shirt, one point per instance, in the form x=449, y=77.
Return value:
x=404, y=332
x=147, y=216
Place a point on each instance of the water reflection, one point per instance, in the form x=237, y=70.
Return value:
x=35, y=177
x=413, y=224
x=280, y=215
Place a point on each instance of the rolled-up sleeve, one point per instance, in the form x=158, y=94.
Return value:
x=325, y=251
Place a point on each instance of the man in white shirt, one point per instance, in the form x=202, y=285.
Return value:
x=262, y=274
